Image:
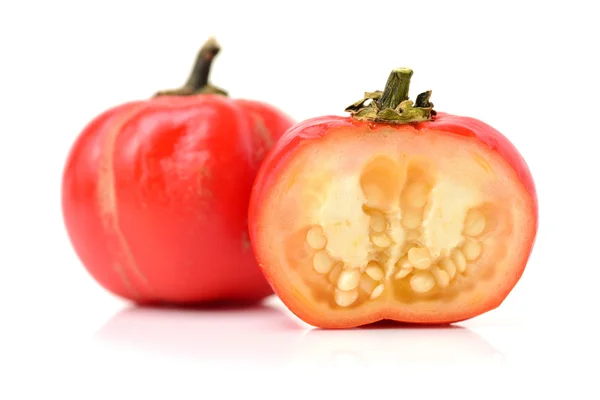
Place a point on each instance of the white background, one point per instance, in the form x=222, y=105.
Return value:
x=528, y=68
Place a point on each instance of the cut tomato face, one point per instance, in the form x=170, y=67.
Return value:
x=430, y=222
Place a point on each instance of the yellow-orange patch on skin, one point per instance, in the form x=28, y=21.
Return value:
x=107, y=202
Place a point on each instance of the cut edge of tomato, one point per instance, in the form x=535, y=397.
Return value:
x=301, y=303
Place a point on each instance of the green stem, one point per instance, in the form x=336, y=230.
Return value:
x=396, y=88
x=393, y=104
x=198, y=80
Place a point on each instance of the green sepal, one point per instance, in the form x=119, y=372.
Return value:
x=370, y=107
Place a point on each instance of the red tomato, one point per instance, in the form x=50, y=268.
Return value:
x=395, y=212
x=155, y=193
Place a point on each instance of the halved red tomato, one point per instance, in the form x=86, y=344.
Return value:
x=395, y=212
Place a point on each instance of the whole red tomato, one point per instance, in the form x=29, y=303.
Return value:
x=395, y=212
x=155, y=193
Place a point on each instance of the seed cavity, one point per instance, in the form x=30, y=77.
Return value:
x=381, y=182
x=415, y=195
x=412, y=218
x=395, y=207
x=412, y=235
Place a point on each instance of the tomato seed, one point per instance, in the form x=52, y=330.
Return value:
x=442, y=278
x=449, y=266
x=378, y=222
x=459, y=260
x=471, y=249
x=344, y=298
x=419, y=257
x=381, y=240
x=474, y=223
x=375, y=271
x=348, y=279
x=315, y=238
x=422, y=282
x=322, y=262
x=377, y=291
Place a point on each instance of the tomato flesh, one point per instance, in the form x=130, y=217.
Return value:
x=420, y=223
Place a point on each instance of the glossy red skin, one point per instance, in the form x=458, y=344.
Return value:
x=316, y=128
x=155, y=196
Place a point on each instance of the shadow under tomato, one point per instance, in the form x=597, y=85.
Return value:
x=215, y=330
x=398, y=343
x=268, y=332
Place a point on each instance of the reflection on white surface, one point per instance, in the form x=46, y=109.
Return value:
x=393, y=343
x=267, y=333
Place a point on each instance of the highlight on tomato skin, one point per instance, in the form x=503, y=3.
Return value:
x=155, y=193
x=395, y=212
